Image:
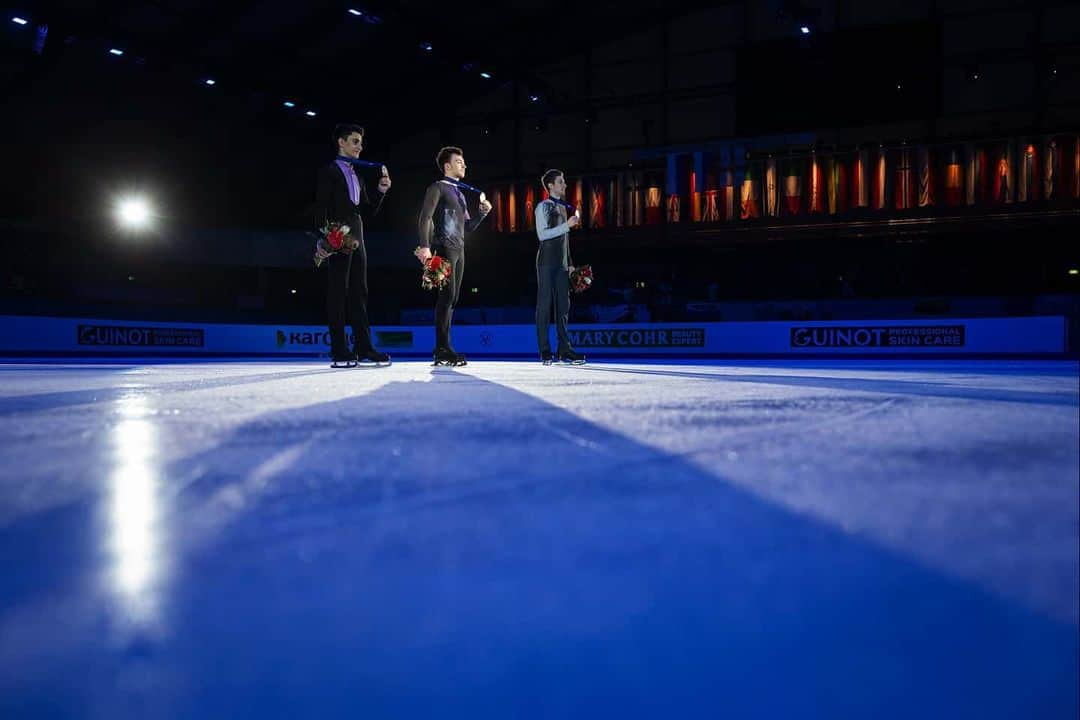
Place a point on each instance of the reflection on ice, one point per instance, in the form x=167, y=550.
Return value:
x=135, y=542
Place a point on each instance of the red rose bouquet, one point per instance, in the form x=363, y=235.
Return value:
x=581, y=278
x=334, y=238
x=437, y=273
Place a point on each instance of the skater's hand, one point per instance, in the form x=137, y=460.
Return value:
x=574, y=220
x=423, y=254
x=485, y=206
x=384, y=181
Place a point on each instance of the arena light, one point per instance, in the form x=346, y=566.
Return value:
x=211, y=81
x=804, y=30
x=310, y=113
x=116, y=51
x=19, y=20
x=134, y=212
x=485, y=75
x=354, y=11
x=289, y=104
x=1074, y=271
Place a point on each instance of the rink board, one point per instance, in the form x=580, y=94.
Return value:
x=22, y=335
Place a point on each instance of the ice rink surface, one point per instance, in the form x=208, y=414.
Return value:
x=825, y=539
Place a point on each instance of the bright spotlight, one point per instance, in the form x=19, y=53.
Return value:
x=133, y=213
x=805, y=30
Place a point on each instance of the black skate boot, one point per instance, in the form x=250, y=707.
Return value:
x=460, y=358
x=572, y=358
x=372, y=358
x=342, y=360
x=448, y=356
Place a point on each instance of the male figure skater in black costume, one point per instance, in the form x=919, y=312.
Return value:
x=444, y=220
x=553, y=267
x=340, y=197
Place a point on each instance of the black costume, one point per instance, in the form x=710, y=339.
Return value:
x=444, y=220
x=341, y=197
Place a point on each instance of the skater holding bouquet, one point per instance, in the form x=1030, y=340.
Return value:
x=340, y=198
x=554, y=219
x=444, y=220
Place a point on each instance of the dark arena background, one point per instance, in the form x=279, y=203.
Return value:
x=808, y=449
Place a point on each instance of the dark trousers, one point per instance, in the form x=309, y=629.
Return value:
x=448, y=294
x=552, y=285
x=346, y=287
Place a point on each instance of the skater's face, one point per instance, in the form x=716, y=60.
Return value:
x=558, y=187
x=351, y=145
x=455, y=167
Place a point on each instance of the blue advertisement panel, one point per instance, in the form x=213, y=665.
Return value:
x=22, y=335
